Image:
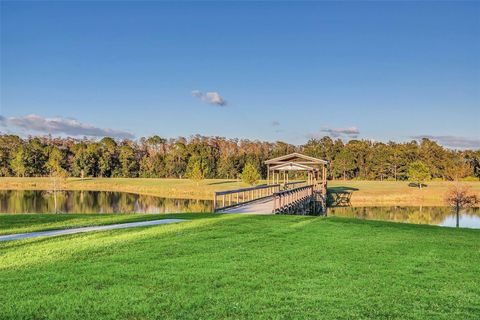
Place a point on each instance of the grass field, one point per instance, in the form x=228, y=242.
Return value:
x=21, y=223
x=397, y=193
x=239, y=266
x=170, y=188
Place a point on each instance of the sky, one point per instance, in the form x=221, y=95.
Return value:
x=270, y=71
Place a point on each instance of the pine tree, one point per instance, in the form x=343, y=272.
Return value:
x=250, y=174
x=418, y=172
x=197, y=172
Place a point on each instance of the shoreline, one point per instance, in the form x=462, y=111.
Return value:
x=363, y=193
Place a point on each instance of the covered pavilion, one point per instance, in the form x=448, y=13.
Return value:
x=278, y=169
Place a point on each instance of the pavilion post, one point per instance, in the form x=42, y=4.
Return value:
x=324, y=178
x=268, y=174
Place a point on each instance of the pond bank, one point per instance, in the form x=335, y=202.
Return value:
x=363, y=193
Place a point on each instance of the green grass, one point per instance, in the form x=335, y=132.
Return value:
x=240, y=266
x=21, y=223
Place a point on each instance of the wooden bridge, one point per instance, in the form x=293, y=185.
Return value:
x=298, y=197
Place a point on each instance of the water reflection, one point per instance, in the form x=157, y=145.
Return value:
x=34, y=201
x=442, y=216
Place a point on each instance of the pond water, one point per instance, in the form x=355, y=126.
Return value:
x=440, y=216
x=35, y=201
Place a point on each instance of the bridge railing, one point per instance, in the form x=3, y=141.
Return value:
x=292, y=200
x=293, y=185
x=232, y=198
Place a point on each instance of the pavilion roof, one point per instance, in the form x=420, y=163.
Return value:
x=297, y=158
x=293, y=166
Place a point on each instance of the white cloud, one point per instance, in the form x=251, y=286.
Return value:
x=453, y=142
x=197, y=93
x=210, y=97
x=351, y=131
x=60, y=125
x=344, y=133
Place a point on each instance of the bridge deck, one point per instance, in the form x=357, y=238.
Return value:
x=262, y=206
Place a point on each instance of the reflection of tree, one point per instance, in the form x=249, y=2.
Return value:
x=417, y=215
x=339, y=199
x=28, y=201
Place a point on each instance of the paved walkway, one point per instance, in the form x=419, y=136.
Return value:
x=263, y=206
x=52, y=233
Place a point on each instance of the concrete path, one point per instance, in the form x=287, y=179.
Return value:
x=52, y=233
x=263, y=206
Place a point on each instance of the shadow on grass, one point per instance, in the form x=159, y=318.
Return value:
x=221, y=182
x=341, y=189
x=51, y=250
x=417, y=185
x=340, y=196
x=80, y=179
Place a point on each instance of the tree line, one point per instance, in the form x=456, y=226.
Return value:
x=217, y=157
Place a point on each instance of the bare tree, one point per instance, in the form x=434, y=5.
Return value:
x=460, y=196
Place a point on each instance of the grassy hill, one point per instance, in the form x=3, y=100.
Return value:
x=239, y=266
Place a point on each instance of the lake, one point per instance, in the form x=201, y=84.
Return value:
x=440, y=216
x=35, y=201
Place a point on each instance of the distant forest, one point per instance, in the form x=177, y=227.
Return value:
x=156, y=157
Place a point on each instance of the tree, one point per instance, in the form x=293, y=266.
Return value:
x=250, y=174
x=396, y=160
x=197, y=172
x=344, y=162
x=54, y=164
x=458, y=169
x=54, y=167
x=35, y=158
x=459, y=197
x=156, y=144
x=18, y=162
x=177, y=159
x=418, y=172
x=108, y=160
x=128, y=163
x=79, y=160
x=9, y=145
x=225, y=158
x=379, y=164
x=227, y=167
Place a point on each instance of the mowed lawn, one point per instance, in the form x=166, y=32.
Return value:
x=240, y=266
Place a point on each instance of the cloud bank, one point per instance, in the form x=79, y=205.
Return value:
x=275, y=123
x=213, y=97
x=60, y=125
x=343, y=133
x=351, y=132
x=452, y=142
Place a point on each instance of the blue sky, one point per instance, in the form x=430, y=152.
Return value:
x=259, y=70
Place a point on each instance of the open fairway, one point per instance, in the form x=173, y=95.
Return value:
x=239, y=266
